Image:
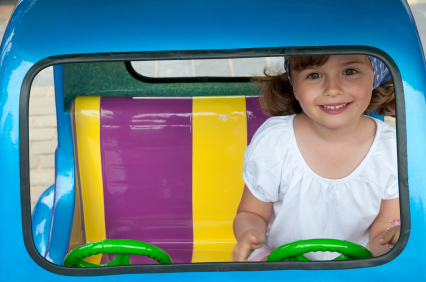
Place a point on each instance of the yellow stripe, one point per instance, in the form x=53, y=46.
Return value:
x=219, y=141
x=77, y=229
x=87, y=116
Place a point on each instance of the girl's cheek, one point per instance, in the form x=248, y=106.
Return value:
x=309, y=96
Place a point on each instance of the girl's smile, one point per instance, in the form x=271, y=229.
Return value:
x=335, y=108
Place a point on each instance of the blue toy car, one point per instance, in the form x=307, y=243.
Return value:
x=148, y=159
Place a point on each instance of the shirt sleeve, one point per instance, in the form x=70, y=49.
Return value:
x=263, y=161
x=391, y=192
x=389, y=163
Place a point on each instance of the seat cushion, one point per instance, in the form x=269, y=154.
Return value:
x=170, y=171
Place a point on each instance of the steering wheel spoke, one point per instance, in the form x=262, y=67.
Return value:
x=342, y=257
x=120, y=259
x=301, y=258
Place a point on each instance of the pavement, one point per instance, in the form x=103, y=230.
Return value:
x=5, y=12
x=42, y=112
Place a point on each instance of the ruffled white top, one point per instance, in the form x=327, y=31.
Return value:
x=308, y=206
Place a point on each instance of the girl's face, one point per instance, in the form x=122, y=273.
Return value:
x=336, y=93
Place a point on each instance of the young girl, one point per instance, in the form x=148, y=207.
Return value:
x=320, y=168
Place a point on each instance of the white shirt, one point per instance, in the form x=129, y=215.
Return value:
x=308, y=206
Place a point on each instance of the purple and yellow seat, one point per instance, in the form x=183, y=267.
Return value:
x=166, y=171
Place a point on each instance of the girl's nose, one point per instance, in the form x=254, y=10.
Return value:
x=333, y=87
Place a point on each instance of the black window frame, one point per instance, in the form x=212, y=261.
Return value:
x=213, y=54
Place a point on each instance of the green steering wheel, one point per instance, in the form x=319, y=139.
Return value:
x=294, y=251
x=123, y=248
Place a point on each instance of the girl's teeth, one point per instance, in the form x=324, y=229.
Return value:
x=334, y=107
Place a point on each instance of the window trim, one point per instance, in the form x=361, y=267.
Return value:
x=213, y=54
x=190, y=79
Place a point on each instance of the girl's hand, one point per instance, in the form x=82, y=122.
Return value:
x=249, y=242
x=250, y=225
x=380, y=233
x=391, y=236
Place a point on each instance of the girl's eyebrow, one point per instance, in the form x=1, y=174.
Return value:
x=352, y=62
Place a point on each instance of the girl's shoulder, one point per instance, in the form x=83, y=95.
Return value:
x=270, y=140
x=275, y=125
x=386, y=134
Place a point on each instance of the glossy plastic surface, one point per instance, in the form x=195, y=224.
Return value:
x=146, y=148
x=61, y=213
x=43, y=28
x=42, y=220
x=220, y=138
x=295, y=250
x=255, y=116
x=165, y=163
x=121, y=247
x=87, y=124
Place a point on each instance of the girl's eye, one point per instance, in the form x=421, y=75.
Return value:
x=349, y=71
x=314, y=75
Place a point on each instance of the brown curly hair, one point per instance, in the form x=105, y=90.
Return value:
x=277, y=97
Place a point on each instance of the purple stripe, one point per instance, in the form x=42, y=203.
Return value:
x=255, y=116
x=146, y=151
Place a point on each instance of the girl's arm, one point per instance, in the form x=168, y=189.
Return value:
x=250, y=225
x=380, y=233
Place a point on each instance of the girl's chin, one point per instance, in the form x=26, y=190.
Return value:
x=340, y=123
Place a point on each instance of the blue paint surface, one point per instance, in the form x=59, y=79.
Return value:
x=63, y=205
x=43, y=28
x=41, y=219
x=374, y=115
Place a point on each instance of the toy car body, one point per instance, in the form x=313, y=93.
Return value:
x=66, y=33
